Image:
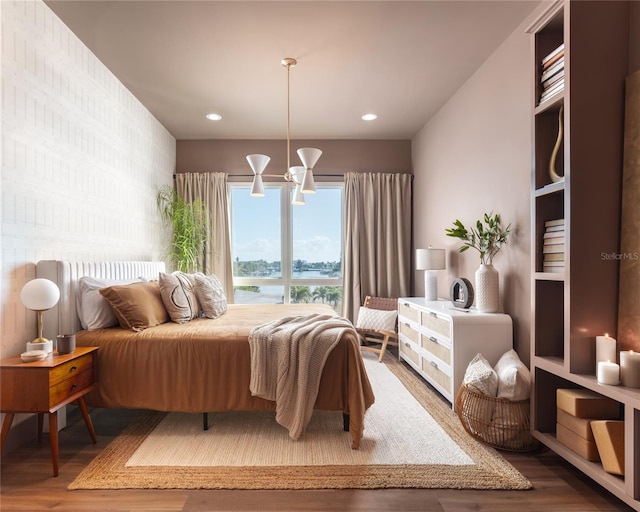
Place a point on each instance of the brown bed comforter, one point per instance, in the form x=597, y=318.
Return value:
x=205, y=366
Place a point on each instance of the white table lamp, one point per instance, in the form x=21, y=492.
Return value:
x=430, y=260
x=40, y=295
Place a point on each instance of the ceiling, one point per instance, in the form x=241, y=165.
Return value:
x=401, y=60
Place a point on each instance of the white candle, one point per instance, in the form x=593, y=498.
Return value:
x=608, y=373
x=605, y=348
x=630, y=368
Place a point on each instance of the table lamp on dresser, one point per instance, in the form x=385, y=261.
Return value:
x=430, y=260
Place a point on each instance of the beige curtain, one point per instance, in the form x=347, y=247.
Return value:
x=211, y=189
x=377, y=254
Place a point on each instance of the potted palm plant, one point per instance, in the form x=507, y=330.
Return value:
x=487, y=237
x=188, y=223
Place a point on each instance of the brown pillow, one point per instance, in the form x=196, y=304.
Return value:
x=136, y=306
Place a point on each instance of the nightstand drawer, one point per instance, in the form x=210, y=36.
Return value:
x=436, y=347
x=408, y=312
x=70, y=369
x=63, y=390
x=409, y=332
x=437, y=324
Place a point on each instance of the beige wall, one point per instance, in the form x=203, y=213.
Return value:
x=81, y=161
x=338, y=156
x=473, y=157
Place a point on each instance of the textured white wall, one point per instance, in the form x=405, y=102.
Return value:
x=81, y=161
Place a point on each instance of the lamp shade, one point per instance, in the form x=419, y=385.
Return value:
x=257, y=189
x=40, y=294
x=258, y=163
x=309, y=157
x=298, y=196
x=430, y=259
x=297, y=174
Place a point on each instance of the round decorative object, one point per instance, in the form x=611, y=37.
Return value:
x=487, y=289
x=555, y=177
x=461, y=293
x=33, y=355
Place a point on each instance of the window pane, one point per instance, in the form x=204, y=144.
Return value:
x=331, y=295
x=258, y=294
x=256, y=233
x=317, y=235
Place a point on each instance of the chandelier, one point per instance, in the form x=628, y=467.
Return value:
x=301, y=175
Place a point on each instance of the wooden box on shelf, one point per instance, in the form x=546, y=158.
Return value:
x=609, y=437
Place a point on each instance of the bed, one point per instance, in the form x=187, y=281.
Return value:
x=201, y=366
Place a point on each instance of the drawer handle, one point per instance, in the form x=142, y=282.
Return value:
x=407, y=344
x=433, y=364
x=407, y=324
x=431, y=313
x=73, y=369
x=74, y=385
x=431, y=338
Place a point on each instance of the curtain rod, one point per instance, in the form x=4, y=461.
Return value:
x=340, y=175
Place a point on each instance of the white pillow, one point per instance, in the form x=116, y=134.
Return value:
x=178, y=296
x=514, y=378
x=481, y=377
x=210, y=294
x=93, y=310
x=377, y=319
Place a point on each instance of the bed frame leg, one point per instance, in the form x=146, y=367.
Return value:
x=205, y=421
x=345, y=421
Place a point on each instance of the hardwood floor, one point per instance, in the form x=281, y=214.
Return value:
x=27, y=484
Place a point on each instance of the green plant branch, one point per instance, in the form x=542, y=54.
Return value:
x=188, y=223
x=486, y=236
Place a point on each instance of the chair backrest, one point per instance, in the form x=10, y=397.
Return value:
x=383, y=303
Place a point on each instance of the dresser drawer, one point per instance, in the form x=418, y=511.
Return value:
x=436, y=374
x=408, y=312
x=409, y=332
x=63, y=390
x=70, y=369
x=436, y=347
x=408, y=352
x=437, y=324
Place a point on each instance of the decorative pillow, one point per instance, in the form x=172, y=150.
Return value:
x=514, y=378
x=93, y=311
x=179, y=297
x=136, y=306
x=481, y=377
x=210, y=294
x=376, y=319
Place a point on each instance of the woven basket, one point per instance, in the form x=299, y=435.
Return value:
x=498, y=422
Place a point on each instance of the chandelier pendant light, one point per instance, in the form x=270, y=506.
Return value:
x=302, y=175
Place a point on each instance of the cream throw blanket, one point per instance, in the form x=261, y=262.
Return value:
x=287, y=358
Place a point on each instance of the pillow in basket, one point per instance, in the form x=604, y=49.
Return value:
x=514, y=378
x=376, y=319
x=480, y=376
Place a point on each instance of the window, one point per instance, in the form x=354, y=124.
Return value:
x=284, y=253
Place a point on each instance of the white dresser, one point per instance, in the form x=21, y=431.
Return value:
x=439, y=340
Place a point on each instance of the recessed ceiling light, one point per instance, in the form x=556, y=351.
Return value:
x=214, y=117
x=369, y=117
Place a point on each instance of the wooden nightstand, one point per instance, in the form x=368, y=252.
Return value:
x=46, y=386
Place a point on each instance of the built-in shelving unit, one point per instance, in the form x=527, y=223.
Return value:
x=577, y=300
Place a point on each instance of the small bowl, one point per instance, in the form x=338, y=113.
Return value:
x=33, y=355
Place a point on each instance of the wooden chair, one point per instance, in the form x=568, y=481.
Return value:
x=368, y=324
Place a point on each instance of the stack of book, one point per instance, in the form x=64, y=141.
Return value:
x=553, y=246
x=552, y=76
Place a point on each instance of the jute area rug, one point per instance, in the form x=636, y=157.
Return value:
x=411, y=439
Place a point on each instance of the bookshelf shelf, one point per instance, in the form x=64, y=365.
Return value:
x=574, y=292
